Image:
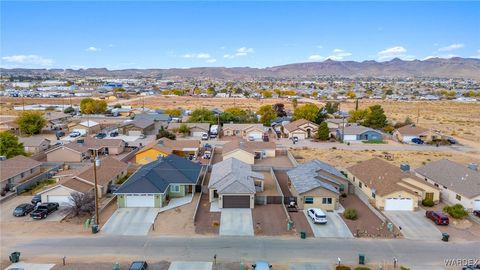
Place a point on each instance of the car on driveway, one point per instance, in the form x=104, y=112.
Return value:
x=36, y=199
x=43, y=210
x=74, y=134
x=114, y=134
x=101, y=135
x=261, y=265
x=139, y=265
x=417, y=141
x=317, y=216
x=438, y=217
x=23, y=210
x=204, y=136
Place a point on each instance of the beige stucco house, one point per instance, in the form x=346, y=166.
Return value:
x=85, y=148
x=248, y=151
x=406, y=133
x=16, y=170
x=301, y=128
x=246, y=131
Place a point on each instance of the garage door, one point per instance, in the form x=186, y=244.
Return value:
x=255, y=135
x=300, y=136
x=144, y=200
x=398, y=204
x=476, y=205
x=236, y=201
x=61, y=200
x=350, y=138
x=134, y=133
x=197, y=134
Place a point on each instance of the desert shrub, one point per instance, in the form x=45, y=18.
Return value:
x=404, y=268
x=427, y=202
x=362, y=268
x=350, y=213
x=342, y=267
x=69, y=110
x=456, y=211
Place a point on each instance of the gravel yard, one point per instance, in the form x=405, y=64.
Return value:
x=207, y=222
x=270, y=220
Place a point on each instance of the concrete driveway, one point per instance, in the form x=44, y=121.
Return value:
x=30, y=266
x=414, y=225
x=236, y=222
x=310, y=266
x=130, y=221
x=335, y=227
x=177, y=265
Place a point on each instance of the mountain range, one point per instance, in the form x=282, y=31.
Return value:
x=467, y=68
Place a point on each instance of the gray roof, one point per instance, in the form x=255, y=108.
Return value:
x=233, y=176
x=33, y=141
x=156, y=176
x=305, y=177
x=140, y=123
x=454, y=176
x=153, y=116
x=356, y=130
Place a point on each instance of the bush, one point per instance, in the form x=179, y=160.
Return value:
x=428, y=203
x=350, y=213
x=404, y=268
x=342, y=267
x=456, y=211
x=362, y=268
x=69, y=110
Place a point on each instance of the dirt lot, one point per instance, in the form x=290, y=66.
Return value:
x=301, y=223
x=163, y=265
x=269, y=186
x=207, y=222
x=177, y=221
x=367, y=224
x=346, y=158
x=270, y=220
x=282, y=179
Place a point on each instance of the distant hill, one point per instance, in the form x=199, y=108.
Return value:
x=468, y=68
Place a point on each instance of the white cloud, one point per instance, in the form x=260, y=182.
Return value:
x=451, y=47
x=30, y=59
x=397, y=51
x=213, y=60
x=197, y=55
x=92, y=49
x=245, y=50
x=315, y=57
x=338, y=54
x=228, y=56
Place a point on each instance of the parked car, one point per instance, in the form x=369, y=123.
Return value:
x=36, y=199
x=43, y=210
x=438, y=217
x=476, y=213
x=74, y=134
x=114, y=134
x=317, y=216
x=417, y=141
x=139, y=265
x=261, y=265
x=452, y=140
x=101, y=135
x=204, y=136
x=251, y=138
x=295, y=139
x=207, y=155
x=60, y=134
x=23, y=210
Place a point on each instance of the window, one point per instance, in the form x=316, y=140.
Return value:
x=435, y=184
x=373, y=195
x=326, y=200
x=445, y=187
x=342, y=187
x=360, y=184
x=458, y=197
x=354, y=179
x=175, y=188
x=308, y=200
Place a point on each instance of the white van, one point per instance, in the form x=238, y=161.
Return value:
x=317, y=216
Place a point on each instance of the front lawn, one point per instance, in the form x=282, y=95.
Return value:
x=375, y=142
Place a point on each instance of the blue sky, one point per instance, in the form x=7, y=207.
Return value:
x=127, y=34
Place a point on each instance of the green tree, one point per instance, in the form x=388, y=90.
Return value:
x=202, y=115
x=31, y=122
x=357, y=116
x=307, y=111
x=321, y=115
x=294, y=103
x=117, y=106
x=267, y=94
x=351, y=94
x=174, y=112
x=237, y=115
x=376, y=117
x=9, y=145
x=323, y=132
x=280, y=109
x=69, y=110
x=92, y=106
x=332, y=107
x=211, y=90
x=197, y=90
x=267, y=114
x=163, y=133
x=184, y=129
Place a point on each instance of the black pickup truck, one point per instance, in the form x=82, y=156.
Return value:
x=43, y=210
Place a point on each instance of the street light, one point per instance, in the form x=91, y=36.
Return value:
x=96, y=163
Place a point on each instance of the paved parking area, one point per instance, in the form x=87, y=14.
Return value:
x=177, y=265
x=236, y=222
x=414, y=225
x=30, y=266
x=6, y=211
x=334, y=228
x=130, y=221
x=310, y=266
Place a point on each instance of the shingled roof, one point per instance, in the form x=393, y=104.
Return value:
x=307, y=176
x=15, y=166
x=233, y=176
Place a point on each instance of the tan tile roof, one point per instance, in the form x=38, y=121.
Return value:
x=92, y=143
x=109, y=168
x=201, y=126
x=296, y=124
x=15, y=166
x=245, y=145
x=32, y=141
x=411, y=130
x=166, y=145
x=77, y=185
x=243, y=126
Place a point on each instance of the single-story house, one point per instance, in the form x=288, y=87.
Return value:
x=336, y=123
x=406, y=133
x=234, y=184
x=137, y=127
x=245, y=131
x=389, y=187
x=16, y=170
x=155, y=183
x=196, y=129
x=159, y=119
x=89, y=127
x=34, y=144
x=301, y=128
x=56, y=120
x=82, y=180
x=248, y=151
x=84, y=148
x=457, y=183
x=354, y=132
x=317, y=184
x=164, y=147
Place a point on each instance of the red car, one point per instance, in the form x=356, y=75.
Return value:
x=438, y=217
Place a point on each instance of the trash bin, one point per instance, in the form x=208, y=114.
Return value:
x=303, y=234
x=361, y=259
x=445, y=237
x=116, y=266
x=290, y=225
x=95, y=228
x=15, y=257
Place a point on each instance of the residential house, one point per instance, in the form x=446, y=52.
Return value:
x=234, y=184
x=196, y=129
x=82, y=180
x=301, y=128
x=16, y=170
x=317, y=184
x=457, y=183
x=407, y=133
x=159, y=119
x=88, y=127
x=164, y=147
x=246, y=131
x=389, y=187
x=154, y=184
x=137, y=127
x=248, y=151
x=354, y=132
x=85, y=148
x=334, y=124
x=56, y=120
x=34, y=144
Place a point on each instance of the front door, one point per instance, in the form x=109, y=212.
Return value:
x=308, y=133
x=429, y=196
x=190, y=189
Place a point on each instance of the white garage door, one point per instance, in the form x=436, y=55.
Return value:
x=350, y=138
x=398, y=204
x=61, y=200
x=256, y=135
x=197, y=134
x=300, y=136
x=476, y=205
x=134, y=133
x=142, y=200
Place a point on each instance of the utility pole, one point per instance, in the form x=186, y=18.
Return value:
x=97, y=218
